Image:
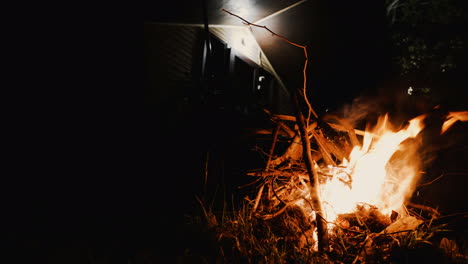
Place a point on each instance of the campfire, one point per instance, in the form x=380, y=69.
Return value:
x=335, y=189
x=365, y=181
x=369, y=177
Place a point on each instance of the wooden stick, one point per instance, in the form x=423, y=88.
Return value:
x=303, y=47
x=346, y=125
x=322, y=233
x=294, y=151
x=257, y=200
x=343, y=127
x=273, y=173
x=280, y=211
x=324, y=149
x=278, y=121
x=285, y=128
x=273, y=144
x=425, y=208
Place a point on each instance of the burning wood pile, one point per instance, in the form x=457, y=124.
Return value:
x=364, y=181
x=360, y=211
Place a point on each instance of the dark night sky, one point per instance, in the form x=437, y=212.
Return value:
x=346, y=45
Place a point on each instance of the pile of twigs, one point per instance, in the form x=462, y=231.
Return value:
x=285, y=180
x=366, y=235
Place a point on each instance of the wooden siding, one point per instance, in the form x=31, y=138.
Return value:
x=172, y=58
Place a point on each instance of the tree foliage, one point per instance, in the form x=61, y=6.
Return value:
x=427, y=36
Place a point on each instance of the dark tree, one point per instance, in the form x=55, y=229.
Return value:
x=428, y=45
x=428, y=35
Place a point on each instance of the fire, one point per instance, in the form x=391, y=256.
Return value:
x=371, y=176
x=453, y=117
x=381, y=172
x=377, y=178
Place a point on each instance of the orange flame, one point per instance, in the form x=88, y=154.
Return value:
x=369, y=177
x=382, y=172
x=452, y=118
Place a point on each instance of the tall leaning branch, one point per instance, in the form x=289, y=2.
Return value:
x=322, y=233
x=304, y=70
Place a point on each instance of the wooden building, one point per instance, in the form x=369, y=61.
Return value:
x=219, y=67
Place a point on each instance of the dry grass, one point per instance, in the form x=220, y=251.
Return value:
x=237, y=236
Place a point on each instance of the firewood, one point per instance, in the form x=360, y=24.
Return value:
x=263, y=173
x=346, y=126
x=322, y=233
x=276, y=119
x=324, y=149
x=257, y=200
x=293, y=152
x=426, y=208
x=272, y=149
x=406, y=223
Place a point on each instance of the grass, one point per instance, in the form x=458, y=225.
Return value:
x=235, y=235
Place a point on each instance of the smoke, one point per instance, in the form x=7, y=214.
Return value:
x=396, y=102
x=362, y=110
